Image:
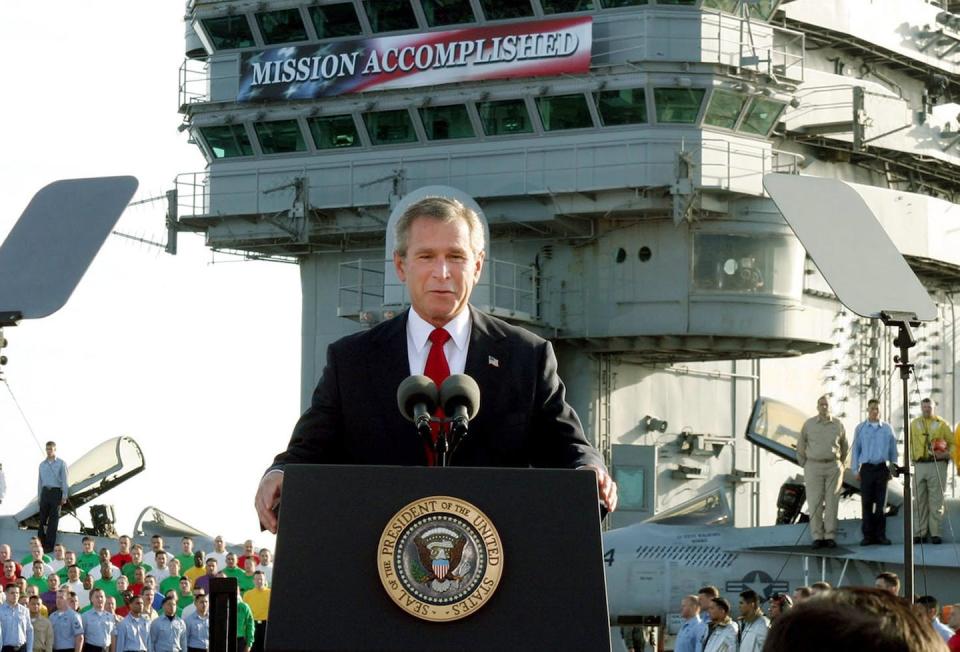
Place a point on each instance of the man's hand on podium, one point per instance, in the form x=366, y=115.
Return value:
x=267, y=501
x=605, y=486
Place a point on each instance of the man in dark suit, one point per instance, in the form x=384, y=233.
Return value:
x=523, y=419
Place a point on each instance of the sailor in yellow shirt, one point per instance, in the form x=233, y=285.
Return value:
x=956, y=449
x=258, y=599
x=931, y=446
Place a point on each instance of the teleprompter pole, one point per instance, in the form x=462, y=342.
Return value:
x=904, y=341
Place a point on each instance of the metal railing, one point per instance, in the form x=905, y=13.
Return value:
x=194, y=82
x=727, y=164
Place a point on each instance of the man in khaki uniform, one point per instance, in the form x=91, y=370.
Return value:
x=930, y=448
x=822, y=451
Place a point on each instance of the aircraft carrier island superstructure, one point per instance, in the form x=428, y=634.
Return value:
x=615, y=149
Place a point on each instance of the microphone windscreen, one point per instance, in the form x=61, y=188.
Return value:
x=413, y=390
x=460, y=389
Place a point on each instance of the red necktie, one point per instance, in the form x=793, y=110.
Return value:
x=437, y=370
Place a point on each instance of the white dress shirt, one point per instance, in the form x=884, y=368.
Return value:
x=418, y=341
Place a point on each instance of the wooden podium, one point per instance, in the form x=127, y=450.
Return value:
x=331, y=551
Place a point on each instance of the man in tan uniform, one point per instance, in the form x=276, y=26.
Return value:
x=930, y=448
x=822, y=451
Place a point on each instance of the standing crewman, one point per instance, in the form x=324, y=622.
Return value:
x=52, y=493
x=874, y=451
x=16, y=628
x=930, y=449
x=822, y=450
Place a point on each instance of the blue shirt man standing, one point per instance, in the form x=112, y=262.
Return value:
x=874, y=447
x=67, y=626
x=16, y=628
x=168, y=633
x=52, y=492
x=694, y=630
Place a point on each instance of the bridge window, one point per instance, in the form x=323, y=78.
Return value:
x=390, y=15
x=284, y=26
x=610, y=4
x=500, y=9
x=564, y=6
x=331, y=21
x=447, y=12
x=730, y=6
x=623, y=107
x=724, y=109
x=678, y=105
x=748, y=264
x=761, y=116
x=688, y=3
x=390, y=127
x=280, y=136
x=763, y=9
x=227, y=141
x=502, y=117
x=564, y=112
x=446, y=122
x=228, y=32
x=330, y=132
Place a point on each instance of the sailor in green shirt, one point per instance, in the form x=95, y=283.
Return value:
x=107, y=581
x=36, y=552
x=244, y=583
x=172, y=581
x=184, y=596
x=39, y=577
x=187, y=554
x=69, y=559
x=244, y=624
x=931, y=445
x=136, y=554
x=88, y=558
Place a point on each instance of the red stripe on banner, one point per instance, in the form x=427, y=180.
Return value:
x=579, y=63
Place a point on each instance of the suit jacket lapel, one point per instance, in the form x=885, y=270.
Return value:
x=389, y=366
x=485, y=353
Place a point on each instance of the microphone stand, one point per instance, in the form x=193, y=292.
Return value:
x=442, y=446
x=451, y=432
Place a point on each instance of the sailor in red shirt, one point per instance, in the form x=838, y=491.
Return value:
x=123, y=557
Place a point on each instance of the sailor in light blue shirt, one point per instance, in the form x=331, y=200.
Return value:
x=693, y=631
x=874, y=448
x=98, y=625
x=52, y=492
x=16, y=628
x=67, y=626
x=167, y=632
x=198, y=625
x=53, y=473
x=133, y=631
x=873, y=443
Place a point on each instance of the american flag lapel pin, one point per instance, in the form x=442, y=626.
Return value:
x=493, y=362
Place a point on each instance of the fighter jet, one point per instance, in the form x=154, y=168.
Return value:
x=650, y=566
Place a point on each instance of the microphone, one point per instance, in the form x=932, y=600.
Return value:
x=460, y=398
x=417, y=400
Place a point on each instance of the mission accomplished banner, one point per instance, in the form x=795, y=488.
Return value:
x=541, y=48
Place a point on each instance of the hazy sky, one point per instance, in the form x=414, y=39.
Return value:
x=198, y=362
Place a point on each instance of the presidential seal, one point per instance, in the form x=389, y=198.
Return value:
x=440, y=558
